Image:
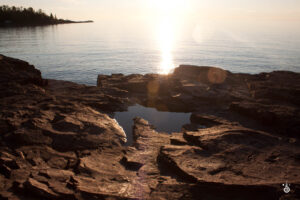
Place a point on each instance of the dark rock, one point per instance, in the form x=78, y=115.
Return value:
x=61, y=189
x=39, y=189
x=58, y=141
x=20, y=176
x=4, y=127
x=208, y=75
x=57, y=162
x=4, y=170
x=269, y=98
x=29, y=137
x=130, y=165
x=284, y=118
x=207, y=121
x=14, y=70
x=8, y=160
x=177, y=139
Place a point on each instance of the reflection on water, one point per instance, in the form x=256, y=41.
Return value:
x=79, y=52
x=166, y=40
x=171, y=14
x=163, y=121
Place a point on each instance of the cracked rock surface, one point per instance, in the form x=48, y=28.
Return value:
x=59, y=141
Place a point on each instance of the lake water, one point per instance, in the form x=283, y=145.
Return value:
x=167, y=122
x=78, y=52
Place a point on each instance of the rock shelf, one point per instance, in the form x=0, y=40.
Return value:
x=57, y=140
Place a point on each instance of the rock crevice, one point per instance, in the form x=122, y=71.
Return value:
x=58, y=141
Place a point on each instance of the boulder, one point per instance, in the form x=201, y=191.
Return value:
x=208, y=75
x=14, y=70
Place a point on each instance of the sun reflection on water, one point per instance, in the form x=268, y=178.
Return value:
x=169, y=16
x=166, y=41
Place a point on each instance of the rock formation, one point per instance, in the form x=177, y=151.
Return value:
x=272, y=99
x=58, y=141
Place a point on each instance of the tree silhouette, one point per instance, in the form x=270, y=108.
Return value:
x=26, y=16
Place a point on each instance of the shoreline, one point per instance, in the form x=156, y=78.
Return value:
x=44, y=24
x=58, y=141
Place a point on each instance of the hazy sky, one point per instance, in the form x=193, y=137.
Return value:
x=148, y=9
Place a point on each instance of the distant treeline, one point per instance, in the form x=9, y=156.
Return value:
x=19, y=16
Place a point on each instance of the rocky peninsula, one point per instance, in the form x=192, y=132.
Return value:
x=58, y=140
x=20, y=17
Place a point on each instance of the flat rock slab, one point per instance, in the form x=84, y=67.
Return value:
x=58, y=141
x=233, y=155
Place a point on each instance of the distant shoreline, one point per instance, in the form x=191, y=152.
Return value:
x=8, y=25
x=19, y=17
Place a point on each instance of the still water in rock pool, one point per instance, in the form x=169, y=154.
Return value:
x=163, y=121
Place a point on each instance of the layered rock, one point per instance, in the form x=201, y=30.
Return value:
x=271, y=99
x=58, y=141
x=44, y=126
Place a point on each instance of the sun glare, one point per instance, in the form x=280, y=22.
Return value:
x=169, y=15
x=170, y=5
x=165, y=41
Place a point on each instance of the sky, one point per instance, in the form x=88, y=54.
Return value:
x=169, y=21
x=147, y=10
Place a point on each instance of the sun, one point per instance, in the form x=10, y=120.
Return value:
x=168, y=16
x=170, y=6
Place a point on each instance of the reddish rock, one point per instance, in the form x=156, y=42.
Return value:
x=39, y=189
x=208, y=75
x=272, y=99
x=58, y=141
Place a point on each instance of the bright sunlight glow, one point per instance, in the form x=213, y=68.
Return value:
x=165, y=42
x=170, y=6
x=170, y=14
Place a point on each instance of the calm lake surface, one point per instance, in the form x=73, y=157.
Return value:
x=167, y=122
x=78, y=52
